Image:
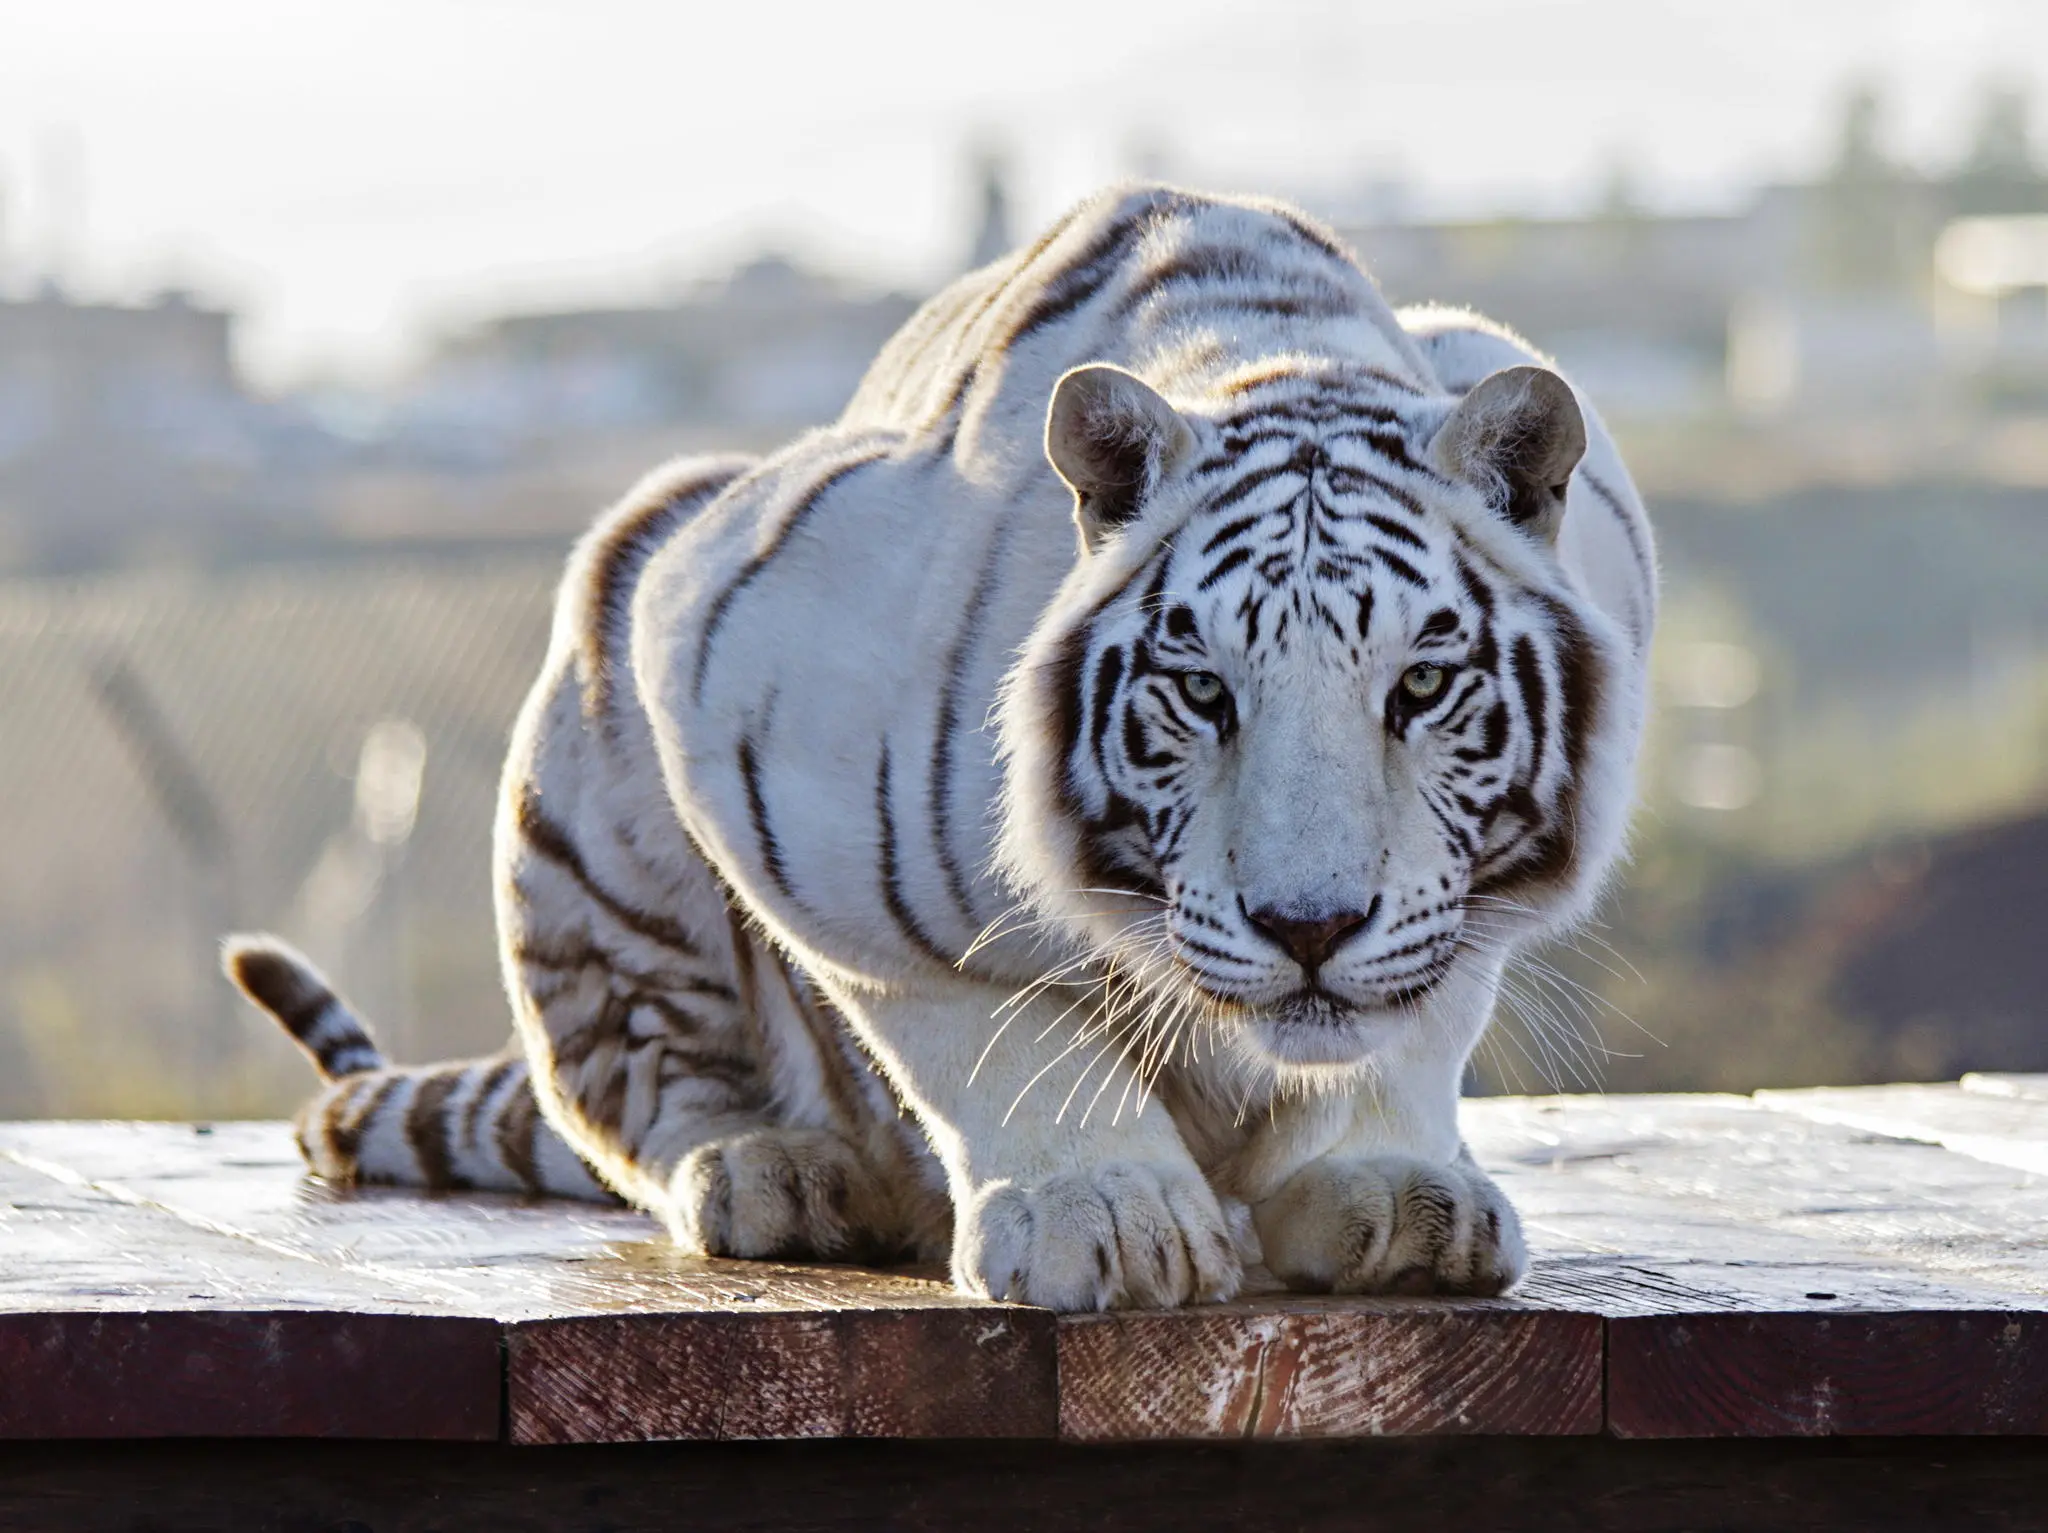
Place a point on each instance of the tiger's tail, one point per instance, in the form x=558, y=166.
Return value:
x=462, y=1124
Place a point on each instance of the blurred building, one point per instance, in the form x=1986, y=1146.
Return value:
x=125, y=432
x=1874, y=289
x=772, y=347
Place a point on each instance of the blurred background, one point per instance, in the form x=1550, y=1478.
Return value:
x=324, y=329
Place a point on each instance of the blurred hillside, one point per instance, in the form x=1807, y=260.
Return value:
x=258, y=655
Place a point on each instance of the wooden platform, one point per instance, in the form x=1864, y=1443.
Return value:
x=1798, y=1265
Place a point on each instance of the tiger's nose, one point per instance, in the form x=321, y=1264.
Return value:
x=1309, y=939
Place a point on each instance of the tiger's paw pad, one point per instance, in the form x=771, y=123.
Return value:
x=1122, y=1235
x=1392, y=1225
x=789, y=1194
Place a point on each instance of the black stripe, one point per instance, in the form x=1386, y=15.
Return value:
x=1109, y=672
x=1064, y=674
x=945, y=421
x=793, y=519
x=1207, y=263
x=1365, y=371
x=1553, y=857
x=757, y=813
x=1439, y=624
x=1396, y=531
x=1314, y=234
x=1348, y=479
x=965, y=646
x=345, y=1131
x=426, y=1127
x=892, y=881
x=1231, y=530
x=1401, y=567
x=1235, y=559
x=1137, y=749
x=1391, y=445
x=623, y=552
x=1475, y=588
x=1196, y=945
x=513, y=1138
x=1291, y=307
x=493, y=1083
x=1238, y=445
x=1579, y=680
x=1535, y=702
x=1253, y=481
x=578, y=954
x=552, y=842
x=1645, y=566
x=1090, y=267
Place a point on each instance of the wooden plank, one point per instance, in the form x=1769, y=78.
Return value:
x=1855, y=1374
x=2007, y=1127
x=117, y=1321
x=1284, y=1366
x=248, y=1373
x=951, y=1370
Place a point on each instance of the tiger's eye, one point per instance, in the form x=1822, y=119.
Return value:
x=1422, y=682
x=1202, y=689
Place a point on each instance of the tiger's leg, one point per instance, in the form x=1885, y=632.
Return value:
x=670, y=1046
x=1373, y=1191
x=1070, y=1189
x=710, y=1091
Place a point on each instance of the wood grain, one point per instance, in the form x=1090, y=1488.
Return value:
x=228, y=1373
x=1846, y=1375
x=953, y=1370
x=1292, y=1367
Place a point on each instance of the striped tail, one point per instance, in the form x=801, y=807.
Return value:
x=464, y=1124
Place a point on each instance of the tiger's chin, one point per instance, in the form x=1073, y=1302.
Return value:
x=1315, y=1030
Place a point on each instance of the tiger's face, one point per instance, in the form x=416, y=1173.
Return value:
x=1321, y=703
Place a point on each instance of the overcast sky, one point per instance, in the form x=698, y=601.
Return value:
x=354, y=174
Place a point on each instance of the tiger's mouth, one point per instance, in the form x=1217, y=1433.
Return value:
x=1312, y=1005
x=1311, y=1002
x=1314, y=1027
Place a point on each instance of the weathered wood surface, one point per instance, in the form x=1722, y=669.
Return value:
x=1800, y=1263
x=1294, y=1367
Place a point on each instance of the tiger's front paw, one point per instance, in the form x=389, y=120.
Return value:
x=777, y=1193
x=1388, y=1224
x=1122, y=1235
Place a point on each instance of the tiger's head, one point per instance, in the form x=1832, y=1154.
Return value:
x=1318, y=722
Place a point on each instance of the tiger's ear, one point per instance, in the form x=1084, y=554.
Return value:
x=1517, y=436
x=1112, y=438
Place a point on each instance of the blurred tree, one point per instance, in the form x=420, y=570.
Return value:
x=1999, y=173
x=1863, y=228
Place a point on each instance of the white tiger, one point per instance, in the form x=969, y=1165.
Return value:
x=884, y=868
